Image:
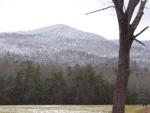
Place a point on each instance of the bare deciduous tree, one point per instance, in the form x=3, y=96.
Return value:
x=126, y=37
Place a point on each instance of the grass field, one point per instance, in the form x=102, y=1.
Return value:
x=65, y=109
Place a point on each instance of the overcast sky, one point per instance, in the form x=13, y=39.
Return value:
x=19, y=15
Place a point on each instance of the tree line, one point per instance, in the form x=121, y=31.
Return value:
x=31, y=83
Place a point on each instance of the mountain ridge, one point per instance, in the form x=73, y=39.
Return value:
x=64, y=42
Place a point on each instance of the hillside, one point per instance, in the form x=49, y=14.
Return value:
x=64, y=44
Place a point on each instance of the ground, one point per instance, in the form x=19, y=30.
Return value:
x=70, y=109
x=146, y=110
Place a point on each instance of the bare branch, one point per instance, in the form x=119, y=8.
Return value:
x=131, y=7
x=119, y=4
x=99, y=10
x=139, y=15
x=141, y=31
x=139, y=41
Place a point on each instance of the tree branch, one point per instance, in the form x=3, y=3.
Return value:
x=139, y=41
x=141, y=31
x=131, y=7
x=119, y=4
x=99, y=10
x=139, y=15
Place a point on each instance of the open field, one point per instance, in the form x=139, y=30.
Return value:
x=65, y=109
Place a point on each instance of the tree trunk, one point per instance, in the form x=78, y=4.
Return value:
x=123, y=73
x=126, y=30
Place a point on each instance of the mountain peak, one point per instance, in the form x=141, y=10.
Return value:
x=62, y=30
x=52, y=28
x=60, y=26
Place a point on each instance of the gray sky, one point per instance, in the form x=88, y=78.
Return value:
x=19, y=15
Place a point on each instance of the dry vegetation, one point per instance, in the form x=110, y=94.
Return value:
x=68, y=109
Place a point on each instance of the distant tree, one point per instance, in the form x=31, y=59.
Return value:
x=132, y=97
x=89, y=80
x=103, y=90
x=37, y=86
x=27, y=71
x=29, y=82
x=69, y=71
x=18, y=91
x=56, y=88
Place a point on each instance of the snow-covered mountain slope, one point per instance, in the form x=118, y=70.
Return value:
x=62, y=43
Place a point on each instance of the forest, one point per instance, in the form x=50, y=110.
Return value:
x=27, y=82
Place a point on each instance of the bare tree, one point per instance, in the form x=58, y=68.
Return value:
x=126, y=37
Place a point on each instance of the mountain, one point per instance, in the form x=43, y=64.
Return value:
x=63, y=44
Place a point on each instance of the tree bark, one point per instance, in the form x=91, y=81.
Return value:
x=123, y=70
x=126, y=37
